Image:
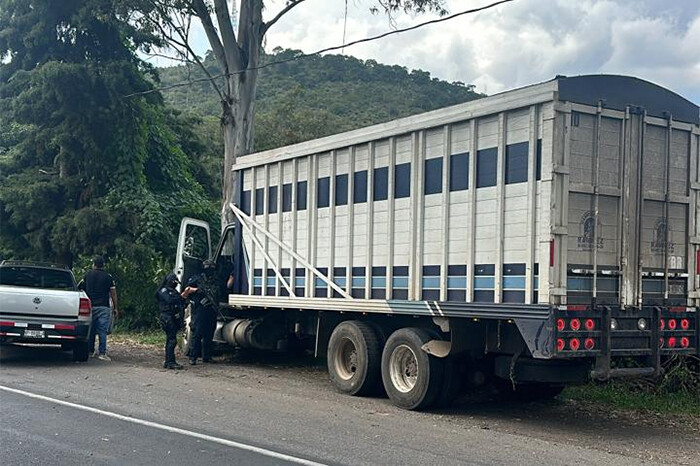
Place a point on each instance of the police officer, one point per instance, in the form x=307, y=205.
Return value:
x=203, y=292
x=172, y=309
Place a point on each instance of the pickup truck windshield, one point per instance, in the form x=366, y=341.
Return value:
x=34, y=277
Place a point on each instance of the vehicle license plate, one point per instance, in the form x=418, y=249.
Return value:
x=34, y=333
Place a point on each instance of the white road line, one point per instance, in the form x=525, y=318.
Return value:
x=175, y=430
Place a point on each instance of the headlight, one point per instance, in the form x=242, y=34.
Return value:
x=642, y=324
x=613, y=324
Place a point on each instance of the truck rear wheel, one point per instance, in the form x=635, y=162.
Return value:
x=354, y=358
x=80, y=351
x=412, y=378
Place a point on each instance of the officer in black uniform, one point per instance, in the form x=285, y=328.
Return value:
x=172, y=311
x=203, y=292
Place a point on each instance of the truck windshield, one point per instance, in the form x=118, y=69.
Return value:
x=33, y=277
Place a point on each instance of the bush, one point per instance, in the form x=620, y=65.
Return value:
x=137, y=277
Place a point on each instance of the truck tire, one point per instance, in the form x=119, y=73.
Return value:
x=452, y=384
x=354, y=358
x=80, y=351
x=412, y=378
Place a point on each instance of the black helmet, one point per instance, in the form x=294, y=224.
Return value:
x=171, y=279
x=208, y=264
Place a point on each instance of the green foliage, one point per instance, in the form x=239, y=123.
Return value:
x=676, y=392
x=317, y=96
x=89, y=165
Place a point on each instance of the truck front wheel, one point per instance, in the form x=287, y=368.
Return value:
x=412, y=378
x=354, y=358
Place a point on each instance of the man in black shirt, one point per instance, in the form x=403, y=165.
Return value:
x=99, y=287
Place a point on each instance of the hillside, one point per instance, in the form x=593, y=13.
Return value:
x=317, y=96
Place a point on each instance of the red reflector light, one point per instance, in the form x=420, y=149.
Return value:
x=589, y=344
x=672, y=324
x=672, y=342
x=7, y=324
x=589, y=324
x=575, y=307
x=561, y=324
x=560, y=344
x=574, y=344
x=685, y=342
x=64, y=327
x=685, y=324
x=85, y=307
x=551, y=253
x=575, y=325
x=697, y=262
x=662, y=324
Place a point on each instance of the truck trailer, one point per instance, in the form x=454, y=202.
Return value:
x=533, y=239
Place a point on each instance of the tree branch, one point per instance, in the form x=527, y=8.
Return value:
x=284, y=11
x=203, y=14
x=231, y=49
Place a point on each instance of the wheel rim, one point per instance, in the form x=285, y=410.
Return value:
x=345, y=361
x=403, y=368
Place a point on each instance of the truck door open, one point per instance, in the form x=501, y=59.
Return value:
x=193, y=248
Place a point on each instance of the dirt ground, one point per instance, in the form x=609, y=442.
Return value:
x=649, y=436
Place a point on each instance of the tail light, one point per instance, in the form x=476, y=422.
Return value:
x=661, y=342
x=561, y=325
x=589, y=344
x=574, y=344
x=685, y=324
x=560, y=344
x=662, y=324
x=697, y=262
x=672, y=324
x=589, y=324
x=685, y=342
x=85, y=307
x=575, y=325
x=551, y=253
x=672, y=342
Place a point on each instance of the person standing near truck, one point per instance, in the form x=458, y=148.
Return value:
x=172, y=309
x=100, y=288
x=203, y=291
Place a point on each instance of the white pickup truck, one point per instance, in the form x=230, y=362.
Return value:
x=41, y=304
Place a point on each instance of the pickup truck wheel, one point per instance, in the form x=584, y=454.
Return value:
x=354, y=358
x=80, y=351
x=412, y=378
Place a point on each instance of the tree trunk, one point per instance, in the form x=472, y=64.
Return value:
x=239, y=103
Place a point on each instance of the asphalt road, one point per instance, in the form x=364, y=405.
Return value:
x=256, y=413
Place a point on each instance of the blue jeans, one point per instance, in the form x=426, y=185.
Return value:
x=101, y=316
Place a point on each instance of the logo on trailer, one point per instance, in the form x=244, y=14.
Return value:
x=661, y=240
x=587, y=230
x=37, y=300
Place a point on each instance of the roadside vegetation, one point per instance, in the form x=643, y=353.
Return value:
x=677, y=392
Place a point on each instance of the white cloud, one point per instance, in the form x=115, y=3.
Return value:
x=517, y=43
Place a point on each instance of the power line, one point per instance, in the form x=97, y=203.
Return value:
x=327, y=49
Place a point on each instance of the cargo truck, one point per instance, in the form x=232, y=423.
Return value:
x=532, y=239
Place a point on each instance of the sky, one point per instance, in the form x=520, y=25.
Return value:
x=514, y=44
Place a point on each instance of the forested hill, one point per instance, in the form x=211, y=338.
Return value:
x=316, y=96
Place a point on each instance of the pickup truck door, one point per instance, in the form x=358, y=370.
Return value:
x=193, y=247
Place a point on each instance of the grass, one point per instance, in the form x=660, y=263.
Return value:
x=625, y=396
x=142, y=337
